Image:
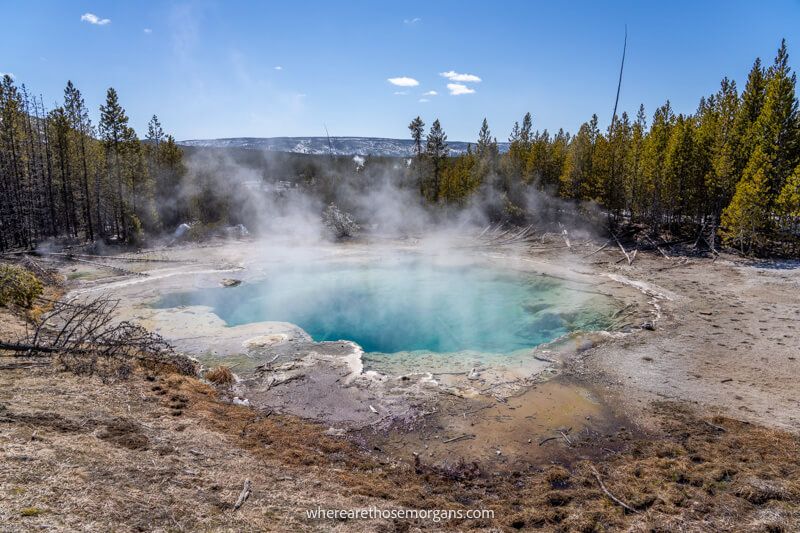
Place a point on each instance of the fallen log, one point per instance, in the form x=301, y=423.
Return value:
x=627, y=255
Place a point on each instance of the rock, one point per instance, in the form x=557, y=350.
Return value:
x=649, y=326
x=240, y=401
x=229, y=282
x=181, y=230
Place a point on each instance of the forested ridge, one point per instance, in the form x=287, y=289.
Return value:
x=60, y=176
x=730, y=171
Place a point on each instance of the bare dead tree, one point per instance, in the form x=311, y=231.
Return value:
x=85, y=337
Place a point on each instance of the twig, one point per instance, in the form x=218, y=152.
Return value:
x=243, y=495
x=718, y=428
x=608, y=492
x=460, y=437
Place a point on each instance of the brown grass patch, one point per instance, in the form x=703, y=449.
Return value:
x=220, y=375
x=695, y=475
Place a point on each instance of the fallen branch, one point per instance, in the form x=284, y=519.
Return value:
x=599, y=249
x=714, y=426
x=608, y=492
x=124, y=271
x=658, y=247
x=565, y=235
x=627, y=255
x=460, y=437
x=33, y=350
x=243, y=495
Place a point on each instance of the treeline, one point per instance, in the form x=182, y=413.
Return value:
x=62, y=177
x=730, y=172
x=732, y=167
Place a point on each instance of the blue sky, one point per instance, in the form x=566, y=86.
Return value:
x=233, y=68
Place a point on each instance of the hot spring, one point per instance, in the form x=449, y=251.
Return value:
x=410, y=305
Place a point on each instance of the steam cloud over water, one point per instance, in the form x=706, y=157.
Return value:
x=410, y=282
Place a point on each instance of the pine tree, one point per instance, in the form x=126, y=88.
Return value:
x=82, y=127
x=720, y=142
x=654, y=164
x=613, y=186
x=525, y=131
x=683, y=186
x=748, y=215
x=487, y=154
x=113, y=128
x=417, y=127
x=16, y=230
x=634, y=176
x=436, y=151
x=60, y=125
x=155, y=133
x=487, y=146
x=788, y=202
x=752, y=101
x=777, y=129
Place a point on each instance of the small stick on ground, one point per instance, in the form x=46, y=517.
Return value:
x=243, y=495
x=718, y=428
x=608, y=492
x=460, y=437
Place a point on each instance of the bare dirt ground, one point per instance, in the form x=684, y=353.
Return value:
x=728, y=341
x=692, y=426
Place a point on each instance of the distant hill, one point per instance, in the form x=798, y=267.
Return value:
x=322, y=145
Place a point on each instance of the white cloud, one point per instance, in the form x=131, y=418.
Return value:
x=430, y=93
x=277, y=67
x=412, y=21
x=148, y=30
x=91, y=18
x=423, y=100
x=457, y=76
x=401, y=93
x=403, y=81
x=459, y=88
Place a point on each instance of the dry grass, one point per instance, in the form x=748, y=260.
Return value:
x=220, y=375
x=162, y=452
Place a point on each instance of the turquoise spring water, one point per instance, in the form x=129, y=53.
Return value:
x=406, y=306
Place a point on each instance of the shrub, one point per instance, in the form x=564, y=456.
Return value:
x=220, y=375
x=18, y=286
x=339, y=223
